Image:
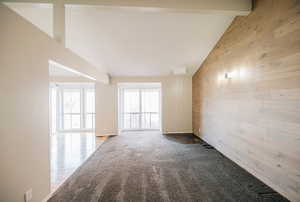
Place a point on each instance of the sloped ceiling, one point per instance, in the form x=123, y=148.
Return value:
x=128, y=42
x=41, y=15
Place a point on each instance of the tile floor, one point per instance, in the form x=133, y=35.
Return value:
x=68, y=152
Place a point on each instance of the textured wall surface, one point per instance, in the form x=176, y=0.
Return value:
x=254, y=117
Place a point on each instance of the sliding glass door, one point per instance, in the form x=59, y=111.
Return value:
x=131, y=106
x=89, y=107
x=75, y=107
x=71, y=109
x=150, y=107
x=139, y=108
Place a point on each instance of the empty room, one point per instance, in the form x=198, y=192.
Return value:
x=150, y=101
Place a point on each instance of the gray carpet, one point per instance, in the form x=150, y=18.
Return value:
x=153, y=167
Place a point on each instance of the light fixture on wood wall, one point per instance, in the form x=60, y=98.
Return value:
x=228, y=75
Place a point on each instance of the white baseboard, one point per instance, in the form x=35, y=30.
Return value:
x=106, y=135
x=176, y=132
x=47, y=197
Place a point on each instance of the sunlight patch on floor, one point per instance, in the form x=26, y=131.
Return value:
x=68, y=152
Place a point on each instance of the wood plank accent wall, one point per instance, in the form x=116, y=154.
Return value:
x=254, y=117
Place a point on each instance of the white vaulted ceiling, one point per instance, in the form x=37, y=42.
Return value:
x=136, y=43
x=130, y=42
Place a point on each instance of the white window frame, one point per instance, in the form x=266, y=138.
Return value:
x=63, y=114
x=88, y=113
x=139, y=87
x=83, y=88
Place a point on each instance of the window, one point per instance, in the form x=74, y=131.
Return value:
x=150, y=108
x=90, y=109
x=131, y=109
x=139, y=106
x=71, y=109
x=76, y=107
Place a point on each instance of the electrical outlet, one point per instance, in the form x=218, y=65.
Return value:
x=28, y=195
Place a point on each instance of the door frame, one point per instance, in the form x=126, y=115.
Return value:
x=82, y=87
x=139, y=86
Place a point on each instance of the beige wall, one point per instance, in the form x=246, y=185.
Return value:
x=254, y=117
x=24, y=82
x=176, y=103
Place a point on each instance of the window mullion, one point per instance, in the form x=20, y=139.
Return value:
x=83, y=113
x=140, y=114
x=62, y=122
x=82, y=108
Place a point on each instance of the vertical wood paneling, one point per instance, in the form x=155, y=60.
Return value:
x=254, y=117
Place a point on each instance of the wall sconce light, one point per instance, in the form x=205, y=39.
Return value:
x=228, y=76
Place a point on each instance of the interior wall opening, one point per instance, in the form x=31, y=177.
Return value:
x=71, y=120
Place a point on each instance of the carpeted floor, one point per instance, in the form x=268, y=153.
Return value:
x=153, y=167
